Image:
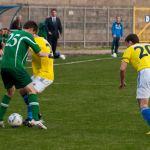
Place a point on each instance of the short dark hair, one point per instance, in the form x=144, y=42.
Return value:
x=133, y=38
x=53, y=9
x=31, y=24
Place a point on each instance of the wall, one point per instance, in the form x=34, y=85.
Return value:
x=97, y=3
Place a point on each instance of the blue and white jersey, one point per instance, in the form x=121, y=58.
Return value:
x=117, y=29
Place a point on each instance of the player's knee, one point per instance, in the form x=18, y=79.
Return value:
x=30, y=89
x=143, y=103
x=11, y=91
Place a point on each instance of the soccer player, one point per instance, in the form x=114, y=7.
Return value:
x=43, y=72
x=13, y=73
x=139, y=56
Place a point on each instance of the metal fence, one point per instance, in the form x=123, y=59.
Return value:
x=83, y=27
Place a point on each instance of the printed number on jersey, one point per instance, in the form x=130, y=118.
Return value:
x=12, y=41
x=142, y=52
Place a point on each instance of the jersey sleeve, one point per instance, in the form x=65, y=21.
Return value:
x=127, y=55
x=122, y=30
x=113, y=28
x=31, y=42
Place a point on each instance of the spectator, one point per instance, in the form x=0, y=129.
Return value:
x=17, y=23
x=1, y=26
x=4, y=34
x=117, y=34
x=54, y=29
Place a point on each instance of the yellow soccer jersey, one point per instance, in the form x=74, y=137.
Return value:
x=42, y=66
x=138, y=55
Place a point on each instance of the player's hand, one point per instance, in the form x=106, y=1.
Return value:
x=122, y=85
x=121, y=39
x=50, y=55
x=1, y=52
x=114, y=36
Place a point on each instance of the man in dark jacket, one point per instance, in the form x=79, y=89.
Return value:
x=54, y=29
x=17, y=23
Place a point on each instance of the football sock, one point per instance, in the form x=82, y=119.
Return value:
x=29, y=110
x=4, y=106
x=34, y=105
x=25, y=97
x=146, y=114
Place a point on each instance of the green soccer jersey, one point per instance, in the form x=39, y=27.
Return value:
x=16, y=49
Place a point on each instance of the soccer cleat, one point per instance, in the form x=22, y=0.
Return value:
x=38, y=124
x=2, y=124
x=26, y=122
x=63, y=57
x=114, y=55
x=148, y=133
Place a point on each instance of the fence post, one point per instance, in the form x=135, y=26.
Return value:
x=84, y=28
x=108, y=21
x=64, y=22
x=48, y=10
x=29, y=13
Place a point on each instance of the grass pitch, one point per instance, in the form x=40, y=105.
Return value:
x=83, y=110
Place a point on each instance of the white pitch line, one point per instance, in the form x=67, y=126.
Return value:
x=81, y=61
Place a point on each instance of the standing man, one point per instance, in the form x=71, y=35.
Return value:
x=117, y=34
x=13, y=73
x=54, y=29
x=17, y=23
x=139, y=56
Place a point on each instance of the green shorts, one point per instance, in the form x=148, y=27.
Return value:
x=15, y=76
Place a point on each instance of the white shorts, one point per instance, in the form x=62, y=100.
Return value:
x=143, y=84
x=40, y=83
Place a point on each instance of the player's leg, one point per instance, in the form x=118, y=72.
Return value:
x=5, y=103
x=143, y=93
x=8, y=83
x=33, y=101
x=39, y=85
x=113, y=45
x=145, y=110
x=117, y=45
x=24, y=95
x=24, y=81
x=54, y=44
x=34, y=104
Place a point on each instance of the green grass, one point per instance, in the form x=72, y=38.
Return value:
x=83, y=110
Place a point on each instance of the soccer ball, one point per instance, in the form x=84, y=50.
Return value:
x=15, y=120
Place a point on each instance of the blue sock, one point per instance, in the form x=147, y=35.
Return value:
x=146, y=114
x=25, y=97
x=29, y=110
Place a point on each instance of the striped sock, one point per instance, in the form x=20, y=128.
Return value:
x=33, y=103
x=3, y=106
x=29, y=110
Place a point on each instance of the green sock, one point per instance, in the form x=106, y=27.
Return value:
x=3, y=106
x=33, y=102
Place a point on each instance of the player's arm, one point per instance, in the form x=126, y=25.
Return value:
x=126, y=59
x=122, y=31
x=123, y=68
x=35, y=47
x=1, y=48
